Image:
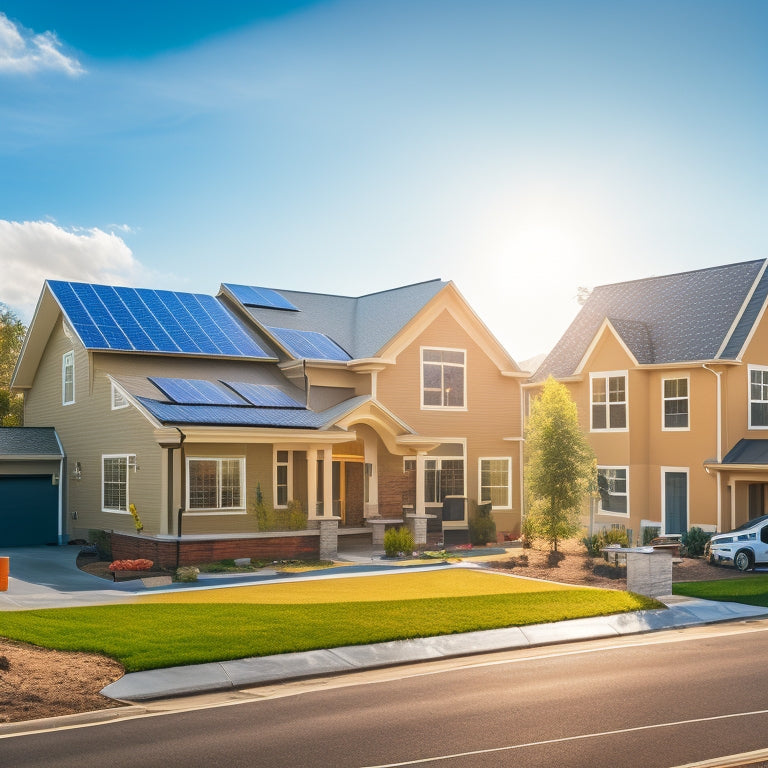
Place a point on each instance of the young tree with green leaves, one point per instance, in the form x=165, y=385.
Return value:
x=12, y=333
x=560, y=466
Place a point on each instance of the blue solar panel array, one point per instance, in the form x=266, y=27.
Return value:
x=264, y=395
x=252, y=296
x=143, y=320
x=197, y=392
x=308, y=344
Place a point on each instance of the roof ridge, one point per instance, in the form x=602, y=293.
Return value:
x=678, y=274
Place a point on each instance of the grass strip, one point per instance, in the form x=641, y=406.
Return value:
x=750, y=590
x=150, y=636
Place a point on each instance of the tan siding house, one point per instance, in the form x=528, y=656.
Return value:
x=187, y=409
x=667, y=374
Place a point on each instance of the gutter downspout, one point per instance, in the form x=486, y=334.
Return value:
x=719, y=444
x=171, y=449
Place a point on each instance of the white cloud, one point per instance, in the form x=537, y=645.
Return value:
x=34, y=251
x=24, y=52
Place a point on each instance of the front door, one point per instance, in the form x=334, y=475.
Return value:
x=349, y=490
x=675, y=502
x=756, y=500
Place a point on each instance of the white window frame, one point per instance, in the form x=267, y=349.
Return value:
x=118, y=399
x=130, y=462
x=606, y=376
x=289, y=473
x=439, y=468
x=426, y=407
x=68, y=367
x=481, y=498
x=664, y=399
x=218, y=510
x=763, y=369
x=611, y=512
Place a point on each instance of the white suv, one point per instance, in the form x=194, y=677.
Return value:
x=745, y=546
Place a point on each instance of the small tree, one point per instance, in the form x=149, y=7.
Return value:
x=560, y=466
x=12, y=332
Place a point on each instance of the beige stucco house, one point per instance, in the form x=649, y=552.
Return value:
x=361, y=409
x=670, y=375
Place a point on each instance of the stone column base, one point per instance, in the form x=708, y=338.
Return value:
x=329, y=537
x=418, y=526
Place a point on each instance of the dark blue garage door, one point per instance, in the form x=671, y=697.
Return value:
x=28, y=510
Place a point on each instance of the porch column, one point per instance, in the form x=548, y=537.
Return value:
x=311, y=483
x=370, y=451
x=328, y=482
x=418, y=520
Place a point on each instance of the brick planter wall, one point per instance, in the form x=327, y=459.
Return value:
x=163, y=552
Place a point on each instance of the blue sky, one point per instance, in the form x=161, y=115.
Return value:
x=520, y=149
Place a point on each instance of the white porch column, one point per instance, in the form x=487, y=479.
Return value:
x=419, y=507
x=311, y=483
x=328, y=482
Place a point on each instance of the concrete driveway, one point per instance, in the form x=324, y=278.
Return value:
x=48, y=577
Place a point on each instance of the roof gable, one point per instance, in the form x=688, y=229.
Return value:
x=676, y=318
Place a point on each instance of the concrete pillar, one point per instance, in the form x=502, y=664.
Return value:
x=329, y=537
x=311, y=483
x=649, y=574
x=328, y=482
x=418, y=526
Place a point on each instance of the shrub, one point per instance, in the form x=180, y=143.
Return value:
x=527, y=532
x=606, y=537
x=398, y=541
x=141, y=564
x=695, y=541
x=614, y=536
x=592, y=543
x=102, y=540
x=649, y=534
x=265, y=515
x=482, y=528
x=187, y=573
x=297, y=519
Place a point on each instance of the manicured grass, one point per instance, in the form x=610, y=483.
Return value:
x=154, y=634
x=752, y=590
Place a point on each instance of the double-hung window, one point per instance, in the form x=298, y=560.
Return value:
x=613, y=487
x=114, y=482
x=282, y=478
x=68, y=378
x=676, y=403
x=758, y=397
x=495, y=482
x=443, y=378
x=442, y=477
x=608, y=394
x=215, y=484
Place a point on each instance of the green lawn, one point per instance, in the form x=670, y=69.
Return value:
x=752, y=590
x=153, y=633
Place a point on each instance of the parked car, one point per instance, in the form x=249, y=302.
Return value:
x=745, y=546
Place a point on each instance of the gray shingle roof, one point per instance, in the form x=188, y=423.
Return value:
x=748, y=452
x=33, y=442
x=360, y=325
x=675, y=318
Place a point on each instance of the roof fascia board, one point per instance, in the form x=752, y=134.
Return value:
x=197, y=434
x=740, y=314
x=47, y=312
x=450, y=299
x=606, y=325
x=32, y=457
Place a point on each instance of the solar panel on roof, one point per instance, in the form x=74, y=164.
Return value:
x=264, y=395
x=196, y=392
x=309, y=344
x=252, y=296
x=143, y=320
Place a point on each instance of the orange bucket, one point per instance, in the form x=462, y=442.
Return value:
x=5, y=566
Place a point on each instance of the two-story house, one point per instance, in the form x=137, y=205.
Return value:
x=670, y=376
x=186, y=406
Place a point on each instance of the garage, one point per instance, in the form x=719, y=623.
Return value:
x=31, y=460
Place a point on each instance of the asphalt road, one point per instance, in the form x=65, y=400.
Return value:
x=660, y=700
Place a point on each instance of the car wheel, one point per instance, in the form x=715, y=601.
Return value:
x=743, y=560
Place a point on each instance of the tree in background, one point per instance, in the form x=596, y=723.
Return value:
x=560, y=466
x=12, y=333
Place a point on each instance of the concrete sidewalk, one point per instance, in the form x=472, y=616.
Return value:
x=201, y=678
